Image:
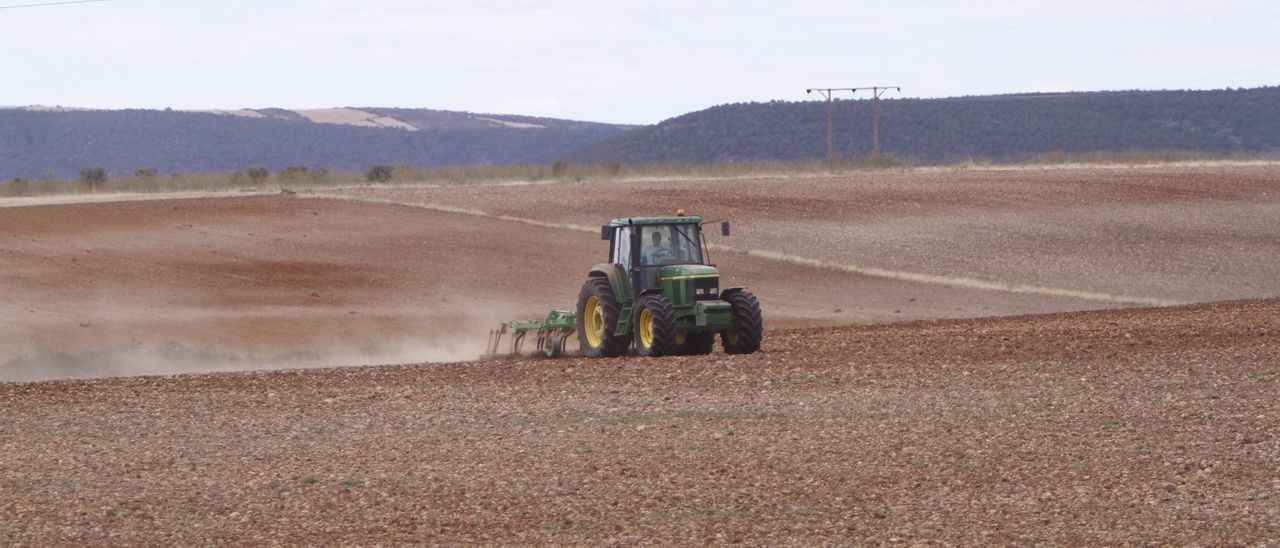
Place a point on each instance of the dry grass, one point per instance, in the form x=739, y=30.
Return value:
x=567, y=172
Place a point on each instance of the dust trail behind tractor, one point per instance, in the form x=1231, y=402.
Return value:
x=550, y=335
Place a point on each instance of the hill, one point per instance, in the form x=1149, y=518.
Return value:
x=927, y=131
x=38, y=140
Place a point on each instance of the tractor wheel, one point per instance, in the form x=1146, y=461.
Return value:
x=695, y=344
x=597, y=319
x=748, y=325
x=655, y=326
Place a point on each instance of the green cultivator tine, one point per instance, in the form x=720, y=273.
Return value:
x=550, y=334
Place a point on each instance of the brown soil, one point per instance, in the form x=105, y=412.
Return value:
x=1116, y=427
x=1128, y=426
x=1177, y=233
x=248, y=283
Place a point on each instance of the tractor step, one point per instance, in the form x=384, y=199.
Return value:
x=624, y=319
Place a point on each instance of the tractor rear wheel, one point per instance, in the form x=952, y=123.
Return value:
x=655, y=326
x=695, y=344
x=597, y=319
x=748, y=325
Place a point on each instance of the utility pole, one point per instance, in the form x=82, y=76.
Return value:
x=826, y=93
x=876, y=92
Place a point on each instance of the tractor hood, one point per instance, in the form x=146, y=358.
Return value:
x=687, y=271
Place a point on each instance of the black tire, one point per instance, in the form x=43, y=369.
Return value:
x=696, y=344
x=662, y=319
x=748, y=325
x=610, y=345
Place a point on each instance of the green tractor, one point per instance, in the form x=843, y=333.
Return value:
x=658, y=290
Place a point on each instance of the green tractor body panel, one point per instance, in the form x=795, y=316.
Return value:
x=694, y=292
x=617, y=278
x=621, y=284
x=677, y=281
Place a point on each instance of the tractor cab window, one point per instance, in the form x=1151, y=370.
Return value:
x=622, y=248
x=670, y=244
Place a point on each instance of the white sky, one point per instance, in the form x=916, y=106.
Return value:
x=614, y=61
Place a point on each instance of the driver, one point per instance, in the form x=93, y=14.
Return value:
x=656, y=249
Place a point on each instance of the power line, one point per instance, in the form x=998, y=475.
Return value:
x=51, y=4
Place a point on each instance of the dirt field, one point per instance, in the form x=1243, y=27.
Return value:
x=1156, y=235
x=1117, y=425
x=247, y=283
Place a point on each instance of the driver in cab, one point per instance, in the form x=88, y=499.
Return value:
x=656, y=249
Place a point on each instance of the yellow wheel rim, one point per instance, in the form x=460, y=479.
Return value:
x=646, y=328
x=733, y=338
x=681, y=335
x=593, y=322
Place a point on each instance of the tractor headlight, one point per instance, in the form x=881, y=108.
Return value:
x=698, y=291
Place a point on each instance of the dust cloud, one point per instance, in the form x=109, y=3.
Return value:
x=174, y=358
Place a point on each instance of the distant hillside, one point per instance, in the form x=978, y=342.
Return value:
x=38, y=140
x=1000, y=128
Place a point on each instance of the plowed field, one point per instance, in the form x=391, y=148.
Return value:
x=959, y=357
x=1118, y=427
x=1161, y=234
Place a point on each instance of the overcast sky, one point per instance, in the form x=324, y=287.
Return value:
x=624, y=61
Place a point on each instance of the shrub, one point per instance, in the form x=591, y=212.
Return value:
x=92, y=178
x=258, y=174
x=559, y=168
x=380, y=173
x=18, y=187
x=294, y=173
x=48, y=178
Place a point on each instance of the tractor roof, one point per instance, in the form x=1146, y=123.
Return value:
x=682, y=219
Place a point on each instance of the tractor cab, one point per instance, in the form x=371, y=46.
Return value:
x=652, y=248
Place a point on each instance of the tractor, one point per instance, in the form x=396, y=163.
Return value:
x=657, y=291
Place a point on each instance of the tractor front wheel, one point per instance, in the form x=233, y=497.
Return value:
x=655, y=326
x=597, y=319
x=748, y=325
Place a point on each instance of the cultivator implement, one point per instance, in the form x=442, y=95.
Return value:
x=549, y=334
